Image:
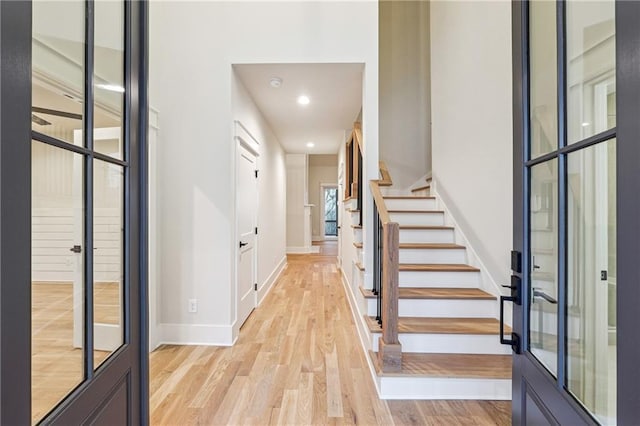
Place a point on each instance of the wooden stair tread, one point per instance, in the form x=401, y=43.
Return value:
x=415, y=211
x=427, y=227
x=358, y=245
x=428, y=325
x=459, y=366
x=436, y=293
x=421, y=188
x=353, y=210
x=446, y=267
x=360, y=266
x=356, y=226
x=430, y=246
x=407, y=197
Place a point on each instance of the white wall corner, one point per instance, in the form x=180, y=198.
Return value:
x=196, y=334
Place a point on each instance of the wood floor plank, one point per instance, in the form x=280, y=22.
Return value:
x=297, y=361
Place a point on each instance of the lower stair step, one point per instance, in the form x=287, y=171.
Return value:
x=430, y=267
x=451, y=366
x=437, y=293
x=427, y=325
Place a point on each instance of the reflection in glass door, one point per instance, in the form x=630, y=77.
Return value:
x=79, y=164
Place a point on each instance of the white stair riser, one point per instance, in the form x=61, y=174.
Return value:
x=410, y=218
x=441, y=308
x=448, y=343
x=350, y=204
x=433, y=256
x=439, y=279
x=422, y=193
x=427, y=236
x=408, y=204
x=436, y=388
x=357, y=235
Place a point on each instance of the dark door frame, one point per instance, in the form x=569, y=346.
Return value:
x=530, y=378
x=129, y=365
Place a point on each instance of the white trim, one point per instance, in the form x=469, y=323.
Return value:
x=154, y=234
x=265, y=288
x=362, y=328
x=244, y=136
x=196, y=334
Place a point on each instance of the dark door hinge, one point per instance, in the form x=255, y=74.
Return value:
x=255, y=286
x=256, y=173
x=256, y=230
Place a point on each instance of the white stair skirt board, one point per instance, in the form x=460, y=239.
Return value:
x=409, y=204
x=413, y=218
x=442, y=308
x=427, y=235
x=448, y=343
x=391, y=387
x=439, y=279
x=437, y=256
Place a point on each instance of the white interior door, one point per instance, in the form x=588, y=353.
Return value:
x=247, y=207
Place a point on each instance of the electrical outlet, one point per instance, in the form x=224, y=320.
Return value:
x=193, y=305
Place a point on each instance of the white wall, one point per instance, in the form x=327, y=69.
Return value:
x=472, y=123
x=297, y=176
x=190, y=83
x=323, y=169
x=405, y=109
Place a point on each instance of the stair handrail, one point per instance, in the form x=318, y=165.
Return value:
x=386, y=275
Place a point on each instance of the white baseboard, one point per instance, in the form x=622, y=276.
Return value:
x=196, y=334
x=362, y=328
x=266, y=287
x=303, y=250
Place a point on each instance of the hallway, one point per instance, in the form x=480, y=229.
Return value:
x=297, y=361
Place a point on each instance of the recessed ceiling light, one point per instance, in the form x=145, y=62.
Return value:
x=303, y=100
x=585, y=124
x=111, y=87
x=310, y=144
x=275, y=82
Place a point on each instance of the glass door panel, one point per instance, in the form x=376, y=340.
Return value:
x=543, y=220
x=57, y=309
x=108, y=231
x=591, y=225
x=591, y=67
x=109, y=82
x=544, y=78
x=58, y=68
x=331, y=212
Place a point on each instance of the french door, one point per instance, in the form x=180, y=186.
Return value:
x=73, y=215
x=576, y=223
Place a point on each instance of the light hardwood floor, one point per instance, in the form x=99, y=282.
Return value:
x=297, y=361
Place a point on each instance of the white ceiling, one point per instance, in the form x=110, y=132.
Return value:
x=335, y=91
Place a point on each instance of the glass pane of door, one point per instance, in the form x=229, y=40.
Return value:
x=109, y=73
x=591, y=332
x=591, y=65
x=58, y=68
x=331, y=211
x=544, y=78
x=108, y=231
x=543, y=220
x=57, y=309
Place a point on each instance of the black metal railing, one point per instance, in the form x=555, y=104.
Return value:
x=378, y=264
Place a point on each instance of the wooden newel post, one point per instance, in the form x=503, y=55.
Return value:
x=389, y=348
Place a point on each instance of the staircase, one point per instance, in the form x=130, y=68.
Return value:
x=446, y=323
